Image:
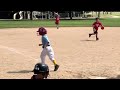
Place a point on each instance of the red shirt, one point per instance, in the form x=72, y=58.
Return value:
x=57, y=18
x=96, y=25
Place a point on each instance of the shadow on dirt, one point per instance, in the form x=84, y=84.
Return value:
x=22, y=71
x=88, y=40
x=118, y=77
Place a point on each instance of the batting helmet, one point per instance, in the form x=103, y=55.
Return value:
x=42, y=31
x=40, y=68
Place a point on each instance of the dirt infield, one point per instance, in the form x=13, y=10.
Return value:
x=78, y=55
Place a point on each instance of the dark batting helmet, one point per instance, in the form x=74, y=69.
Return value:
x=42, y=31
x=40, y=68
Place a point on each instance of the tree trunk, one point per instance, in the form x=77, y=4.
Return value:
x=70, y=15
x=28, y=15
x=110, y=12
x=31, y=15
x=96, y=13
x=25, y=14
x=99, y=14
x=92, y=13
x=83, y=14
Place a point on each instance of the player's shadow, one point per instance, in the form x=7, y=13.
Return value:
x=88, y=40
x=22, y=71
x=118, y=77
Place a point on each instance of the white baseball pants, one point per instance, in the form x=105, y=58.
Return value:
x=47, y=51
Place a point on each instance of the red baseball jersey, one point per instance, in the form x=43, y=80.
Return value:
x=57, y=18
x=96, y=25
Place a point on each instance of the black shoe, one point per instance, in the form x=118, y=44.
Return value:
x=89, y=35
x=56, y=67
x=97, y=38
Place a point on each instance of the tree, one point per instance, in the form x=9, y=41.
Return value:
x=92, y=13
x=99, y=14
x=111, y=12
x=31, y=15
x=70, y=14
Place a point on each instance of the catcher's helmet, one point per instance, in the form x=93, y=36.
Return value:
x=42, y=31
x=41, y=68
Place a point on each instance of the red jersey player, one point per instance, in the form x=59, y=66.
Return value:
x=96, y=25
x=57, y=20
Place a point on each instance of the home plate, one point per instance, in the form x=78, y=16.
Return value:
x=95, y=77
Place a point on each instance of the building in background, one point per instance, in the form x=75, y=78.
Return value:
x=41, y=15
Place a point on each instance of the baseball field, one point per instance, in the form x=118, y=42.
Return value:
x=79, y=56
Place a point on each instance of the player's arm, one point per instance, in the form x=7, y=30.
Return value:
x=102, y=27
x=40, y=44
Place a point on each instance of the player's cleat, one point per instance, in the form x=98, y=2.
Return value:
x=97, y=38
x=56, y=67
x=57, y=27
x=89, y=35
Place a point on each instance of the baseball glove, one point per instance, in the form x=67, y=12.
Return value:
x=102, y=28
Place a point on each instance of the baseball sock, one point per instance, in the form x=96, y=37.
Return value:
x=54, y=61
x=57, y=26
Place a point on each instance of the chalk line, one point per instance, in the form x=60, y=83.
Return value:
x=17, y=52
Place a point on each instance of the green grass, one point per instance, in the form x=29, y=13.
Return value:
x=108, y=22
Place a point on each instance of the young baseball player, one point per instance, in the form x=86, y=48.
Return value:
x=95, y=26
x=47, y=49
x=57, y=20
x=41, y=71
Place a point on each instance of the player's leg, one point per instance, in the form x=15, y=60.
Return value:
x=50, y=54
x=43, y=55
x=57, y=24
x=92, y=33
x=97, y=36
